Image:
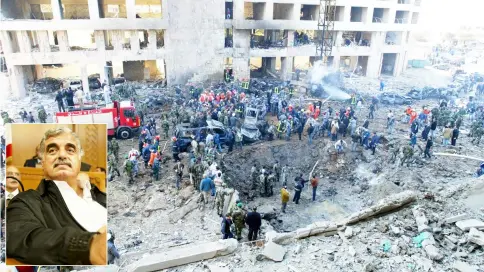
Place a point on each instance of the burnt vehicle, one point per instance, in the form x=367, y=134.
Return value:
x=94, y=83
x=394, y=99
x=184, y=134
x=47, y=85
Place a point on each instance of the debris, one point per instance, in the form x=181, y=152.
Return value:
x=463, y=267
x=476, y=237
x=385, y=205
x=453, y=219
x=181, y=256
x=348, y=232
x=274, y=252
x=386, y=246
x=217, y=268
x=351, y=251
x=184, y=210
x=465, y=225
x=422, y=222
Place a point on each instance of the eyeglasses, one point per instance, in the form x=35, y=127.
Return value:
x=14, y=174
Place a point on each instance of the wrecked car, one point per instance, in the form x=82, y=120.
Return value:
x=183, y=134
x=394, y=99
x=250, y=127
x=47, y=85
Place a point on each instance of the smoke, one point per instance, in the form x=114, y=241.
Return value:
x=328, y=79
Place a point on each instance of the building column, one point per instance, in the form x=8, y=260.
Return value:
x=134, y=41
x=24, y=43
x=336, y=61
x=43, y=38
x=18, y=81
x=369, y=15
x=6, y=41
x=100, y=42
x=287, y=64
x=117, y=40
x=238, y=10
x=347, y=14
x=84, y=77
x=391, y=16
x=152, y=40
x=63, y=40
x=290, y=38
x=56, y=9
x=131, y=9
x=164, y=9
x=93, y=9
x=296, y=12
x=240, y=68
x=374, y=65
x=339, y=39
x=269, y=11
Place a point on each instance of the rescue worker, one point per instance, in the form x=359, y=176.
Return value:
x=166, y=126
x=271, y=180
x=262, y=184
x=112, y=251
x=277, y=170
x=115, y=148
x=220, y=196
x=428, y=146
x=178, y=173
x=407, y=155
x=226, y=227
x=284, y=198
x=42, y=115
x=238, y=216
x=254, y=221
x=128, y=169
x=198, y=173
x=133, y=157
x=297, y=192
x=156, y=167
x=112, y=167
x=284, y=173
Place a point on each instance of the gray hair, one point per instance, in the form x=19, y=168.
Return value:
x=57, y=131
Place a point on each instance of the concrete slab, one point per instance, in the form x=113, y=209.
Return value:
x=274, y=252
x=463, y=267
x=217, y=268
x=453, y=219
x=184, y=255
x=466, y=225
x=476, y=237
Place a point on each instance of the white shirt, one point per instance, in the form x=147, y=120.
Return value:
x=87, y=212
x=12, y=194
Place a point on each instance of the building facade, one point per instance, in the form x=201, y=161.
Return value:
x=186, y=40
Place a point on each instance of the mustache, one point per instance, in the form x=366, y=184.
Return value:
x=62, y=162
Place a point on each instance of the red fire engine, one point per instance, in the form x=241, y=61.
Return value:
x=120, y=118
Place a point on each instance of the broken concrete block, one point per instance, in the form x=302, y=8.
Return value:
x=466, y=225
x=184, y=255
x=476, y=237
x=351, y=251
x=432, y=252
x=155, y=204
x=395, y=230
x=348, y=232
x=385, y=205
x=274, y=252
x=422, y=221
x=217, y=268
x=453, y=219
x=463, y=267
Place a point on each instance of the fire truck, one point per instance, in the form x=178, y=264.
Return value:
x=120, y=117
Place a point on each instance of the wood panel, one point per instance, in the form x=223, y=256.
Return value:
x=31, y=178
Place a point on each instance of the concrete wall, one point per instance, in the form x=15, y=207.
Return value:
x=195, y=43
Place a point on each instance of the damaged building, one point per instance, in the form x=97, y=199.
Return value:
x=184, y=40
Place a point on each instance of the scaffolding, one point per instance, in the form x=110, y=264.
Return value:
x=327, y=13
